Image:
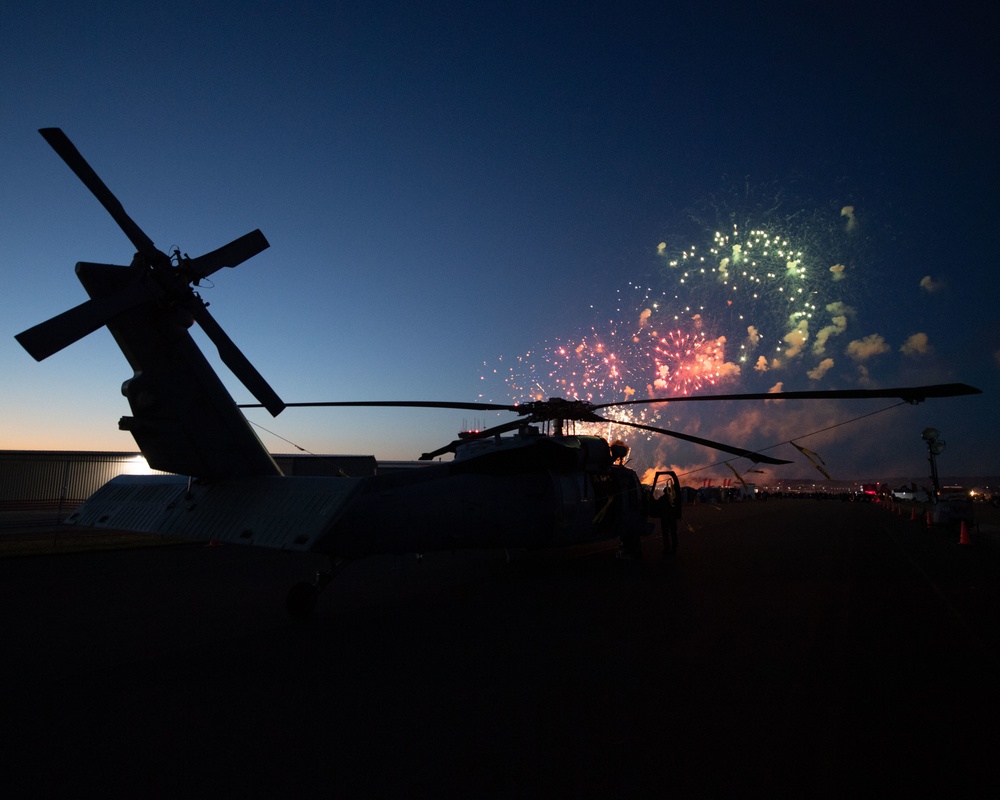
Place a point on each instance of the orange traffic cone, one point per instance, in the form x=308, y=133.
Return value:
x=963, y=536
x=913, y=514
x=928, y=522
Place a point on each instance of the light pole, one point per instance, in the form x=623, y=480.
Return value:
x=935, y=447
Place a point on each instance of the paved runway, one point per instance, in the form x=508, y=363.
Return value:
x=806, y=648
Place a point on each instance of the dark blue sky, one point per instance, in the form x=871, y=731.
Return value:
x=448, y=186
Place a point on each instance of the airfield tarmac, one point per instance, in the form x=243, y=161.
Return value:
x=799, y=647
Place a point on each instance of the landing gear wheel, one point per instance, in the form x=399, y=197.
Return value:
x=301, y=600
x=631, y=547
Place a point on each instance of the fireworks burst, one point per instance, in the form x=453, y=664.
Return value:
x=744, y=306
x=686, y=363
x=757, y=288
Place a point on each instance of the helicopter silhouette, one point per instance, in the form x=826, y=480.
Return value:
x=541, y=486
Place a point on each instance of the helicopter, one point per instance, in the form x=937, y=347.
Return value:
x=540, y=486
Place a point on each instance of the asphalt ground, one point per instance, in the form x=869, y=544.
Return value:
x=795, y=647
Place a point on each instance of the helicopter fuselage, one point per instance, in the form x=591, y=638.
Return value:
x=525, y=490
x=547, y=492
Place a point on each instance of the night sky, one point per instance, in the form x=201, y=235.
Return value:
x=480, y=201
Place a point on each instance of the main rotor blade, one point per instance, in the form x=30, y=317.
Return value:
x=76, y=162
x=238, y=363
x=725, y=448
x=394, y=404
x=229, y=255
x=51, y=336
x=909, y=394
